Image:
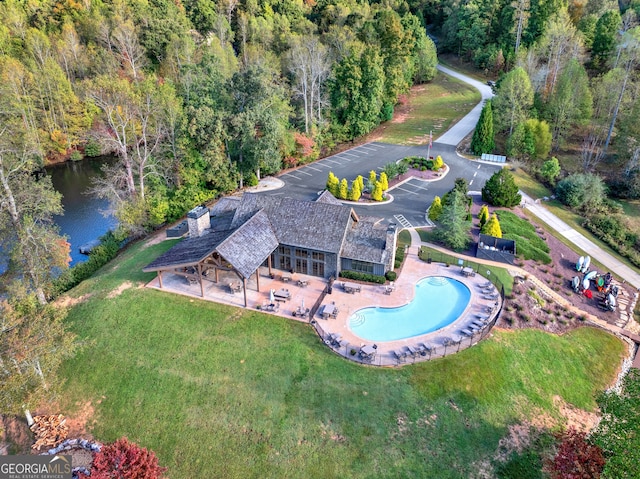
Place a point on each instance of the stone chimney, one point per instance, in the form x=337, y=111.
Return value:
x=390, y=246
x=198, y=220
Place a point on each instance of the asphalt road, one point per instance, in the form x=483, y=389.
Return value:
x=410, y=200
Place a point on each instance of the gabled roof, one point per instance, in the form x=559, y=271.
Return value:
x=326, y=197
x=249, y=245
x=189, y=251
x=366, y=240
x=305, y=224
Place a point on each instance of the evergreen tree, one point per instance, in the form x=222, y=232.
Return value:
x=513, y=100
x=492, y=227
x=376, y=195
x=483, y=136
x=483, y=215
x=604, y=40
x=333, y=184
x=438, y=163
x=355, y=192
x=360, y=181
x=501, y=190
x=372, y=179
x=453, y=228
x=384, y=180
x=343, y=189
x=435, y=210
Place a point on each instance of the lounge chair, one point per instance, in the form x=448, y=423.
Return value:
x=480, y=324
x=467, y=332
x=486, y=284
x=412, y=351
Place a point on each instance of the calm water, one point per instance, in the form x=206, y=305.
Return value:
x=82, y=220
x=438, y=302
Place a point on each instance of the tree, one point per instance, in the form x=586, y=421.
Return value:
x=333, y=184
x=33, y=344
x=538, y=131
x=309, y=62
x=483, y=137
x=356, y=91
x=604, y=40
x=501, y=190
x=550, y=170
x=571, y=103
x=438, y=163
x=453, y=228
x=435, y=210
x=585, y=192
x=384, y=181
x=343, y=189
x=125, y=460
x=360, y=181
x=617, y=432
x=372, y=180
x=355, y=192
x=483, y=215
x=492, y=227
x=513, y=100
x=376, y=194
x=577, y=458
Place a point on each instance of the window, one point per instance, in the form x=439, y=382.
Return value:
x=301, y=253
x=362, y=266
x=284, y=250
x=317, y=269
x=317, y=256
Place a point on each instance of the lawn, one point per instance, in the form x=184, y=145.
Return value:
x=218, y=391
x=529, y=244
x=434, y=106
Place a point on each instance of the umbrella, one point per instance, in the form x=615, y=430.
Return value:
x=302, y=306
x=272, y=298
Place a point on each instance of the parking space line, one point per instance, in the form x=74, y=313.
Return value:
x=312, y=168
x=292, y=176
x=322, y=165
x=304, y=173
x=471, y=182
x=344, y=158
x=479, y=167
x=367, y=147
x=347, y=153
x=408, y=191
x=474, y=175
x=332, y=161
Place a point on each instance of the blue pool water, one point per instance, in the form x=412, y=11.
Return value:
x=438, y=302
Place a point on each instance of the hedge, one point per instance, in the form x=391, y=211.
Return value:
x=366, y=277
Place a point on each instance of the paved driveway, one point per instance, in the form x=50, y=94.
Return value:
x=410, y=200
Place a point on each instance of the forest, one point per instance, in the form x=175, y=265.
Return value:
x=197, y=98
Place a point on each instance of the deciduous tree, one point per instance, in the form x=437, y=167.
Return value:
x=513, y=100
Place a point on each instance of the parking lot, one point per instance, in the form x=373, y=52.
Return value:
x=410, y=199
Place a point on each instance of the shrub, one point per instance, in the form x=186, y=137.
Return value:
x=75, y=155
x=366, y=277
x=92, y=148
x=585, y=192
x=391, y=275
x=435, y=210
x=125, y=460
x=251, y=179
x=391, y=170
x=399, y=257
x=501, y=190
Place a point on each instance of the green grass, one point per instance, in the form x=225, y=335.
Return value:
x=218, y=391
x=434, y=106
x=404, y=238
x=529, y=185
x=528, y=244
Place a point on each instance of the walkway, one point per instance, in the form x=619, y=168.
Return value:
x=458, y=132
x=613, y=264
x=461, y=129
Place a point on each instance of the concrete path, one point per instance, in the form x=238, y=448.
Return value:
x=454, y=135
x=461, y=129
x=613, y=264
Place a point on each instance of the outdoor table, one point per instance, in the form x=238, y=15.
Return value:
x=351, y=287
x=328, y=310
x=367, y=350
x=286, y=279
x=282, y=295
x=467, y=271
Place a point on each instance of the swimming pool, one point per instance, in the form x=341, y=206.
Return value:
x=438, y=302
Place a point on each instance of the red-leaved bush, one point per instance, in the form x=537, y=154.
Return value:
x=576, y=458
x=125, y=460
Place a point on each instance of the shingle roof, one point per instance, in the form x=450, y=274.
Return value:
x=225, y=204
x=366, y=240
x=189, y=251
x=306, y=224
x=326, y=197
x=249, y=245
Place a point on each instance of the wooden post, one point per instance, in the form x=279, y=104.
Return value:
x=269, y=265
x=244, y=288
x=217, y=279
x=160, y=278
x=200, y=278
x=258, y=279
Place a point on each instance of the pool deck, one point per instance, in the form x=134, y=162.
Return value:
x=413, y=270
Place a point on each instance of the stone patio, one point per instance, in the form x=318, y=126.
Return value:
x=412, y=271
